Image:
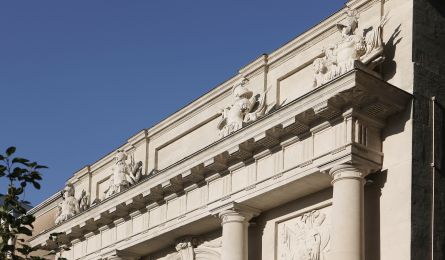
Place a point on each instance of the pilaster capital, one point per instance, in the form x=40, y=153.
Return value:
x=347, y=171
x=235, y=212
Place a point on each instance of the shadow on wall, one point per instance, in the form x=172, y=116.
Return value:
x=396, y=123
x=258, y=232
x=389, y=67
x=373, y=192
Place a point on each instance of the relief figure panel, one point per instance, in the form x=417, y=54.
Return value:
x=305, y=237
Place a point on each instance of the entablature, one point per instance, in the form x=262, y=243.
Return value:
x=338, y=122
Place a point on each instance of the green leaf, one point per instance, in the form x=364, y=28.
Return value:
x=36, y=185
x=10, y=151
x=19, y=160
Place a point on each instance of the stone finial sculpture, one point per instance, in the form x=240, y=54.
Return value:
x=365, y=48
x=245, y=108
x=123, y=175
x=69, y=205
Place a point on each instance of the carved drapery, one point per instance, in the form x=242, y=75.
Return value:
x=245, y=108
x=306, y=237
x=354, y=49
x=123, y=174
x=70, y=205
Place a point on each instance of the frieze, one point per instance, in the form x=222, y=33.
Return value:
x=344, y=92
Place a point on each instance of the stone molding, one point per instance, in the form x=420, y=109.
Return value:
x=299, y=44
x=348, y=171
x=356, y=90
x=235, y=212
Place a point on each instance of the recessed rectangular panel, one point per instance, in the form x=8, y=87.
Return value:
x=240, y=179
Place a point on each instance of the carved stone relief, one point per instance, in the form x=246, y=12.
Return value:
x=365, y=49
x=123, y=174
x=305, y=237
x=70, y=205
x=195, y=249
x=245, y=108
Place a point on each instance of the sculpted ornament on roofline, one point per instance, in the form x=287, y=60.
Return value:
x=70, y=205
x=245, y=108
x=123, y=174
x=365, y=49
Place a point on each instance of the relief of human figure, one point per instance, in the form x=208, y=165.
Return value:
x=69, y=206
x=340, y=58
x=245, y=108
x=305, y=239
x=84, y=201
x=123, y=175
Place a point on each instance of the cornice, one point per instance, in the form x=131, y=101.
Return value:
x=254, y=66
x=79, y=174
x=300, y=43
x=356, y=88
x=45, y=203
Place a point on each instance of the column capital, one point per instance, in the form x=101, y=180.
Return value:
x=122, y=255
x=347, y=171
x=235, y=212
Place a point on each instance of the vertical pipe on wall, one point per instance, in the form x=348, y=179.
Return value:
x=433, y=170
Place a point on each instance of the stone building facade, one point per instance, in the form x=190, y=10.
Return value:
x=329, y=148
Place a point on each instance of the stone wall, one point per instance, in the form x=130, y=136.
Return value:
x=429, y=81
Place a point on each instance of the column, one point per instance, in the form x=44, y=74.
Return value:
x=347, y=213
x=235, y=224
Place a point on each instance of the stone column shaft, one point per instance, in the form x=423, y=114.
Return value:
x=347, y=213
x=235, y=226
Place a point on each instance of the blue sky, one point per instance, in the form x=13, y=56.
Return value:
x=78, y=78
